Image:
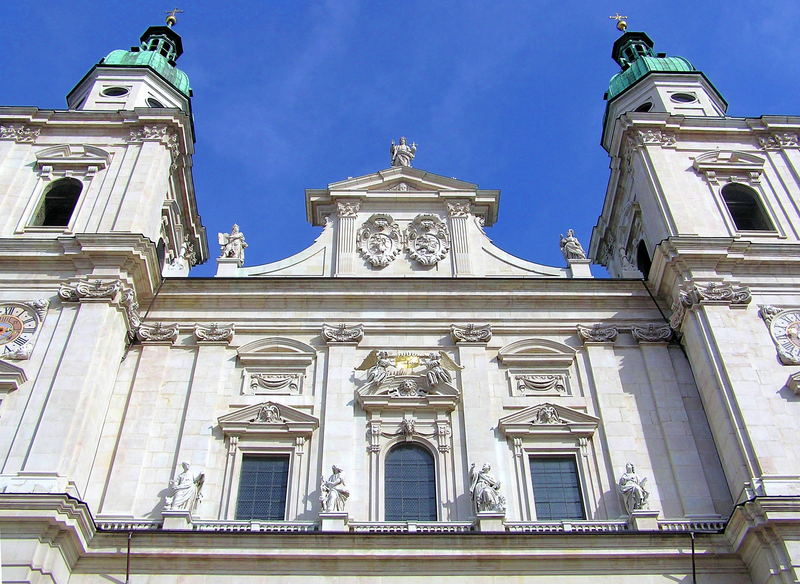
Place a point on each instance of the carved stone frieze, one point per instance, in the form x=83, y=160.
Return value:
x=89, y=289
x=275, y=382
x=19, y=133
x=214, y=333
x=778, y=140
x=546, y=414
x=342, y=333
x=459, y=208
x=540, y=383
x=131, y=306
x=599, y=333
x=471, y=333
x=388, y=373
x=268, y=413
x=408, y=388
x=402, y=187
x=427, y=239
x=347, y=208
x=379, y=240
x=157, y=333
x=653, y=136
x=654, y=332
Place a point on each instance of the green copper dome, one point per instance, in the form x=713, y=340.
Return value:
x=633, y=51
x=159, y=49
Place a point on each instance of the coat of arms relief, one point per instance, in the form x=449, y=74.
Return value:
x=407, y=374
x=380, y=240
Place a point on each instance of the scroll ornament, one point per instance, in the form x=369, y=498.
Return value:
x=342, y=333
x=214, y=332
x=471, y=333
x=598, y=333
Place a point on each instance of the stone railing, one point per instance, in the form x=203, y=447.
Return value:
x=410, y=526
x=255, y=526
x=566, y=526
x=125, y=525
x=712, y=526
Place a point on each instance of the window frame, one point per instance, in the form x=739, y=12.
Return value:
x=437, y=498
x=554, y=454
x=255, y=452
x=758, y=199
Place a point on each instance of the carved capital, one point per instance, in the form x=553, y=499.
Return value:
x=20, y=133
x=471, y=333
x=652, y=136
x=654, y=332
x=459, y=208
x=131, y=306
x=347, y=208
x=214, y=333
x=157, y=333
x=343, y=333
x=778, y=141
x=720, y=292
x=599, y=333
x=90, y=289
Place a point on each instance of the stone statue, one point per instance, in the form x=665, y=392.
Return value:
x=333, y=493
x=402, y=154
x=632, y=489
x=571, y=247
x=186, y=490
x=232, y=243
x=437, y=365
x=485, y=490
x=268, y=414
x=377, y=366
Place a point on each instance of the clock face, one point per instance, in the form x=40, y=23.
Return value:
x=18, y=324
x=785, y=329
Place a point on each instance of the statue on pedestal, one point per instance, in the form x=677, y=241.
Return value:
x=232, y=244
x=402, y=154
x=631, y=487
x=333, y=493
x=485, y=490
x=571, y=247
x=186, y=490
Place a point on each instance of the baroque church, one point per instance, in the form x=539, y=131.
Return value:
x=403, y=400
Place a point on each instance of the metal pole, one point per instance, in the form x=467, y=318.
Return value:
x=694, y=568
x=128, y=560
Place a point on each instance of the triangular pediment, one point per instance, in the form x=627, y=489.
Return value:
x=548, y=418
x=268, y=417
x=393, y=179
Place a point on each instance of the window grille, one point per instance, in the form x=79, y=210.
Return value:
x=410, y=484
x=556, y=488
x=262, y=487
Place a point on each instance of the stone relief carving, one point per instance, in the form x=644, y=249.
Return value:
x=793, y=383
x=214, y=332
x=778, y=140
x=347, y=208
x=768, y=312
x=275, y=382
x=652, y=136
x=20, y=354
x=692, y=295
x=443, y=433
x=187, y=252
x=632, y=489
x=402, y=374
x=19, y=133
x=599, y=333
x=379, y=240
x=459, y=208
x=541, y=383
x=427, y=239
x=546, y=414
x=401, y=187
x=471, y=333
x=342, y=333
x=268, y=413
x=402, y=154
x=186, y=490
x=652, y=333
x=157, y=332
x=485, y=490
x=89, y=289
x=333, y=492
x=232, y=245
x=131, y=306
x=784, y=329
x=571, y=248
x=408, y=427
x=39, y=306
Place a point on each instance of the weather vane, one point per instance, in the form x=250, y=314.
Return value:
x=171, y=19
x=622, y=24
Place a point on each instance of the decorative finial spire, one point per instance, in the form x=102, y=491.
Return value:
x=622, y=23
x=171, y=18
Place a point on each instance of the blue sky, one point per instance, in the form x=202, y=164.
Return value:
x=506, y=94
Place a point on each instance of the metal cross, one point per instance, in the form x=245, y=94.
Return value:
x=171, y=18
x=621, y=24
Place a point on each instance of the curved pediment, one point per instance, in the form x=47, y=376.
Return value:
x=536, y=352
x=276, y=352
x=728, y=162
x=73, y=155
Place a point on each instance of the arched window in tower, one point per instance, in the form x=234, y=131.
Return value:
x=410, y=484
x=643, y=259
x=745, y=208
x=58, y=203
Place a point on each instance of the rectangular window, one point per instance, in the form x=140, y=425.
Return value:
x=262, y=487
x=556, y=488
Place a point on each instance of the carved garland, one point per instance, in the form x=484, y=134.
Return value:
x=779, y=140
x=599, y=333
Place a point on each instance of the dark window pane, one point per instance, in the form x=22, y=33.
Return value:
x=262, y=487
x=745, y=208
x=410, y=484
x=556, y=488
x=59, y=203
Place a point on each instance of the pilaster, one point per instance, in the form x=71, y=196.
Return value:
x=459, y=214
x=347, y=211
x=479, y=439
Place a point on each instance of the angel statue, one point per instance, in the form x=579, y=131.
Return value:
x=402, y=154
x=232, y=243
x=376, y=365
x=485, y=490
x=437, y=365
x=186, y=490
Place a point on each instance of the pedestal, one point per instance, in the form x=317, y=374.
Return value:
x=580, y=268
x=631, y=274
x=333, y=521
x=643, y=520
x=227, y=267
x=490, y=521
x=177, y=520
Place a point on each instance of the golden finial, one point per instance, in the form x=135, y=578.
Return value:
x=171, y=18
x=622, y=24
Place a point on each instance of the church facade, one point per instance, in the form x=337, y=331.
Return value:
x=403, y=400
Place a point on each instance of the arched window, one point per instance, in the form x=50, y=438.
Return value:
x=161, y=252
x=745, y=208
x=410, y=484
x=643, y=259
x=58, y=204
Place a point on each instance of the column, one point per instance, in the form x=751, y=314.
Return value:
x=459, y=214
x=346, y=236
